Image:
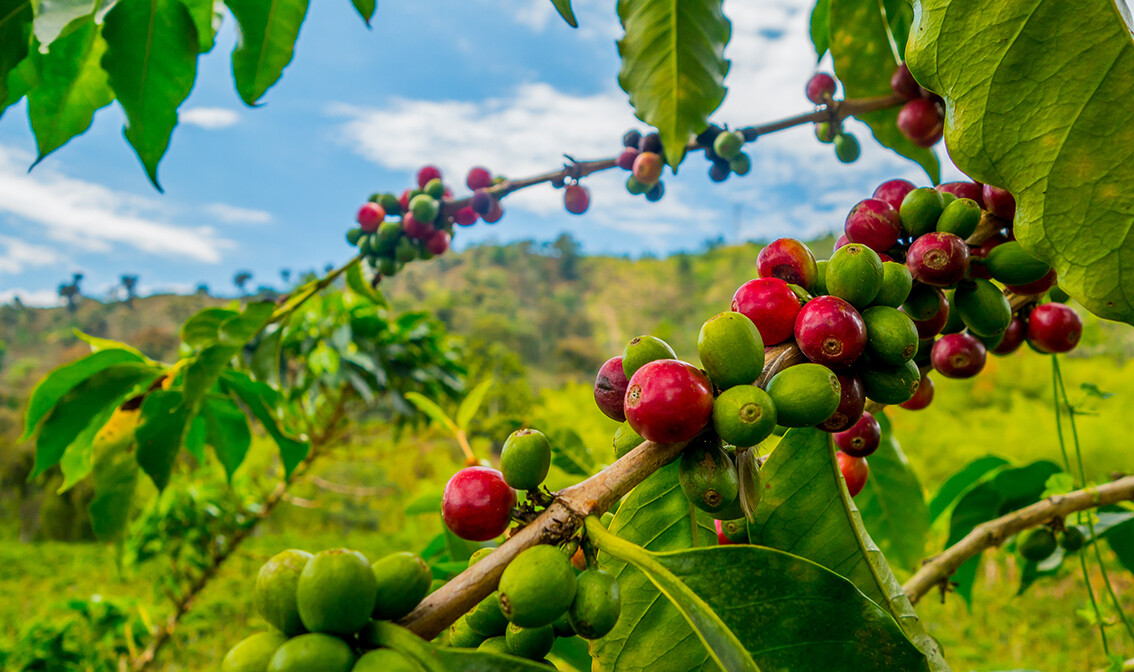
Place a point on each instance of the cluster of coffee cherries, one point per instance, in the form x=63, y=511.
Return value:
x=820, y=90
x=1039, y=544
x=642, y=156
x=322, y=610
x=546, y=591
x=394, y=230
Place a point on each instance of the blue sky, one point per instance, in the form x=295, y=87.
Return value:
x=457, y=83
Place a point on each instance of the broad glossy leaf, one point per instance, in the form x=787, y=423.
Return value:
x=49, y=390
x=442, y=659
x=204, y=370
x=960, y=482
x=204, y=327
x=365, y=9
x=268, y=30
x=565, y=11
x=195, y=439
x=651, y=634
x=429, y=502
x=892, y=504
x=82, y=405
x=151, y=58
x=161, y=429
x=360, y=286
x=266, y=359
x=23, y=78
x=72, y=87
x=226, y=430
x=52, y=17
x=1120, y=537
x=673, y=66
x=206, y=20
x=97, y=344
x=575, y=651
x=1008, y=490
x=1038, y=98
x=806, y=511
x=15, y=35
x=767, y=598
x=76, y=461
x=115, y=477
x=239, y=329
x=570, y=453
x=260, y=399
x=820, y=18
x=864, y=62
x=1031, y=571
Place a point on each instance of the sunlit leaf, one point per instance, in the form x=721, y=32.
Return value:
x=115, y=476
x=227, y=432
x=471, y=404
x=161, y=429
x=15, y=34
x=268, y=30
x=443, y=659
x=204, y=327
x=565, y=11
x=260, y=399
x=365, y=9
x=430, y=408
x=957, y=484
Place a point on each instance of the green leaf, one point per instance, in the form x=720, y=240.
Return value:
x=52, y=18
x=82, y=405
x=115, y=476
x=570, y=453
x=1008, y=490
x=76, y=461
x=892, y=504
x=1064, y=71
x=575, y=651
x=864, y=62
x=655, y=515
x=266, y=359
x=430, y=408
x=15, y=34
x=1031, y=571
x=899, y=14
x=471, y=404
x=429, y=502
x=443, y=659
x=565, y=11
x=806, y=510
x=366, y=9
x=766, y=598
x=360, y=286
x=195, y=439
x=261, y=400
x=268, y=30
x=97, y=344
x=151, y=58
x=23, y=78
x=722, y=645
x=204, y=327
x=227, y=432
x=239, y=329
x=206, y=20
x=72, y=87
x=60, y=380
x=957, y=484
x=161, y=430
x=673, y=66
x=820, y=19
x=205, y=369
x=1120, y=538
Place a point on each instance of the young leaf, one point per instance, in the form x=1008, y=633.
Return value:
x=864, y=62
x=443, y=659
x=260, y=399
x=204, y=327
x=76, y=461
x=471, y=404
x=226, y=430
x=151, y=58
x=195, y=439
x=161, y=429
x=97, y=344
x=806, y=509
x=115, y=475
x=1065, y=72
x=892, y=504
x=81, y=406
x=268, y=30
x=957, y=484
x=59, y=382
x=565, y=11
x=206, y=20
x=820, y=19
x=205, y=369
x=430, y=408
x=266, y=359
x=239, y=329
x=366, y=9
x=766, y=597
x=15, y=34
x=673, y=66
x=651, y=634
x=360, y=286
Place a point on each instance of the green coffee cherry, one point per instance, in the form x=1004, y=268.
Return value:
x=854, y=274
x=313, y=652
x=254, y=653
x=740, y=164
x=890, y=384
x=922, y=303
x=641, y=351
x=1038, y=544
x=405, y=251
x=532, y=643
x=390, y=204
x=983, y=308
x=636, y=186
x=891, y=335
x=275, y=591
x=525, y=459
x=824, y=133
x=461, y=636
x=1010, y=264
x=336, y=592
x=804, y=395
x=728, y=144
x=537, y=587
x=847, y=148
x=384, y=660
x=819, y=285
x=954, y=324
x=479, y=555
x=494, y=645
x=562, y=625
x=708, y=476
x=597, y=605
x=388, y=235
x=403, y=581
x=424, y=208
x=435, y=188
x=1074, y=538
x=960, y=217
x=735, y=531
x=744, y=415
x=354, y=235
x=486, y=618
x=731, y=350
x=897, y=282
x=920, y=210
x=625, y=440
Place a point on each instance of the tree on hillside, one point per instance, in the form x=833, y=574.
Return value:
x=241, y=280
x=568, y=250
x=285, y=275
x=71, y=293
x=130, y=286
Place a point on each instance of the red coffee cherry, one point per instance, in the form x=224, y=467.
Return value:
x=610, y=389
x=1054, y=327
x=855, y=471
x=862, y=439
x=830, y=331
x=789, y=260
x=771, y=305
x=922, y=397
x=477, y=504
x=958, y=356
x=893, y=191
x=668, y=401
x=938, y=259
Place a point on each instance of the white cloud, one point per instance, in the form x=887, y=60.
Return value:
x=38, y=297
x=95, y=218
x=18, y=255
x=231, y=214
x=209, y=118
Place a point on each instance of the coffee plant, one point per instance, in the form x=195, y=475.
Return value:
x=739, y=525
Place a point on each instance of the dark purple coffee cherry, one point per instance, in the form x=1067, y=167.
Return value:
x=651, y=142
x=632, y=138
x=830, y=331
x=862, y=439
x=920, y=120
x=938, y=259
x=958, y=356
x=820, y=88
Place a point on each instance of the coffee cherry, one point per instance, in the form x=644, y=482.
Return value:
x=855, y=471
x=999, y=202
x=708, y=476
x=938, y=259
x=820, y=88
x=830, y=331
x=642, y=350
x=847, y=149
x=720, y=170
x=1010, y=264
x=525, y=459
x=668, y=401
x=896, y=284
x=960, y=217
x=728, y=144
x=706, y=137
x=486, y=619
x=744, y=415
x=650, y=142
x=922, y=397
x=424, y=207
x=804, y=395
x=740, y=164
x=1012, y=338
x=482, y=202
x=970, y=190
x=466, y=216
x=924, y=303
x=1037, y=287
x=731, y=531
x=494, y=214
x=1074, y=537
x=631, y=138
x=825, y=132
x=597, y=605
x=403, y=581
x=841, y=241
x=627, y=157
x=903, y=83
x=537, y=587
x=893, y=191
x=370, y=215
x=854, y=273
x=771, y=305
x=958, y=356
x=438, y=243
x=426, y=174
x=648, y=167
x=311, y=652
x=610, y=389
x=435, y=189
x=892, y=335
x=336, y=592
x=852, y=399
x=576, y=199
x=275, y=590
x=862, y=439
x=920, y=120
x=789, y=260
x=253, y=653
x=920, y=210
x=1054, y=328
x=890, y=384
x=477, y=504
x=656, y=192
x=874, y=223
x=982, y=307
x=636, y=186
x=731, y=350
x=1038, y=544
